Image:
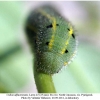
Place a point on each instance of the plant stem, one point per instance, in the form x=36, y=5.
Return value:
x=44, y=82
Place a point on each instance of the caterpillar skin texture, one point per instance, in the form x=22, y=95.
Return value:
x=52, y=38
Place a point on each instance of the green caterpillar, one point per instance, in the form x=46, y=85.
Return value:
x=52, y=38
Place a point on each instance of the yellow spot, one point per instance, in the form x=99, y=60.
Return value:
x=65, y=63
x=71, y=30
x=66, y=43
x=54, y=23
x=51, y=43
x=52, y=40
x=63, y=51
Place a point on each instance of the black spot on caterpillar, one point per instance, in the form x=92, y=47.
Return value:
x=50, y=26
x=66, y=51
x=47, y=43
x=73, y=36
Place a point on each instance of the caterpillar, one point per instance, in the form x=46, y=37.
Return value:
x=52, y=38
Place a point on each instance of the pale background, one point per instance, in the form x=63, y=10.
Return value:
x=81, y=76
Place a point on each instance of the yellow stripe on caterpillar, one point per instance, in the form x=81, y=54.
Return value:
x=52, y=18
x=71, y=30
x=51, y=42
x=53, y=34
x=67, y=42
x=63, y=51
x=54, y=23
x=54, y=27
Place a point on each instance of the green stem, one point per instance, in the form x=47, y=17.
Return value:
x=44, y=82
